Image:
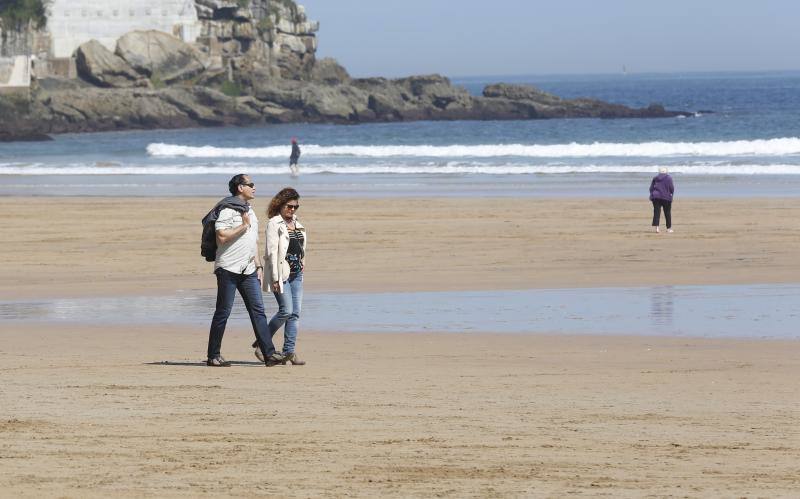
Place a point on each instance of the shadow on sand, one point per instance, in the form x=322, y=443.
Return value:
x=202, y=363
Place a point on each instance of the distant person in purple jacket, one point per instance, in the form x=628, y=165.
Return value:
x=661, y=190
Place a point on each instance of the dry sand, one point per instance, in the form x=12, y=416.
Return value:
x=90, y=410
x=69, y=246
x=85, y=413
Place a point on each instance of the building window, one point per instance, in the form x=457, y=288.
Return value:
x=116, y=13
x=147, y=11
x=132, y=13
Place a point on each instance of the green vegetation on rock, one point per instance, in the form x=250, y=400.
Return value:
x=156, y=81
x=231, y=88
x=15, y=14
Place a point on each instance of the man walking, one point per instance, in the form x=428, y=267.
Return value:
x=238, y=267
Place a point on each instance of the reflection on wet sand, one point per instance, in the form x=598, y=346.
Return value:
x=662, y=305
x=708, y=311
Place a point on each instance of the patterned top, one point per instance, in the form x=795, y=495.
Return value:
x=295, y=254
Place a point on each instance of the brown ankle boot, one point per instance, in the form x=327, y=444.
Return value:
x=294, y=359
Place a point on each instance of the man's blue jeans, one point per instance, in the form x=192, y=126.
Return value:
x=250, y=289
x=289, y=304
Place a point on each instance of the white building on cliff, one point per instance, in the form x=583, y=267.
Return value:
x=271, y=34
x=73, y=22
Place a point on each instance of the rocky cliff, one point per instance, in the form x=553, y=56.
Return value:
x=257, y=64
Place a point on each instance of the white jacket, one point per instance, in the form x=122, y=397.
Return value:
x=276, y=268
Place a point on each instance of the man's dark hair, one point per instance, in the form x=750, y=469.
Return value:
x=235, y=182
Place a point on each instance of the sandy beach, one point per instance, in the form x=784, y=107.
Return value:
x=89, y=410
x=95, y=246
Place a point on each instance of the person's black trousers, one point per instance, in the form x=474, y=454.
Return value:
x=658, y=204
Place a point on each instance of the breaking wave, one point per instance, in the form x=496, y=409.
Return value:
x=450, y=168
x=766, y=147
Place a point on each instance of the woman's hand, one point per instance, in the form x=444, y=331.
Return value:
x=276, y=286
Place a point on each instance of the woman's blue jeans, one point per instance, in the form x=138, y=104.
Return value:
x=289, y=304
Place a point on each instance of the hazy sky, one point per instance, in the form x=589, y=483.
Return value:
x=505, y=37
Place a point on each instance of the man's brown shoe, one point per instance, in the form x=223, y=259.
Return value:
x=275, y=359
x=259, y=355
x=218, y=362
x=294, y=359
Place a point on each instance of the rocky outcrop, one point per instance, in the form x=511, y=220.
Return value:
x=103, y=109
x=274, y=37
x=23, y=136
x=59, y=109
x=98, y=65
x=329, y=72
x=415, y=98
x=292, y=39
x=19, y=122
x=520, y=92
x=528, y=102
x=159, y=55
x=258, y=65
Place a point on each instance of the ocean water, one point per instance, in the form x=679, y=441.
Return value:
x=749, y=144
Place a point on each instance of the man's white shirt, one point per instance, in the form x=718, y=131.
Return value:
x=239, y=255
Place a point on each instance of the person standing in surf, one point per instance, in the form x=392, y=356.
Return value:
x=294, y=157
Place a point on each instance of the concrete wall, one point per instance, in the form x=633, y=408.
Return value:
x=62, y=67
x=15, y=73
x=73, y=22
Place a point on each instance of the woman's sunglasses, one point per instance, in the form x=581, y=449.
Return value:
x=293, y=206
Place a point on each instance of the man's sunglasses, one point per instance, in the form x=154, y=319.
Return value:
x=250, y=185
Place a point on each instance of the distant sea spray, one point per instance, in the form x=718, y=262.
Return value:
x=788, y=146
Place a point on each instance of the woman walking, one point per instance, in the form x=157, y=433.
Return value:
x=661, y=190
x=284, y=260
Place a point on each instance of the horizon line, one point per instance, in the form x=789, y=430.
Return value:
x=629, y=73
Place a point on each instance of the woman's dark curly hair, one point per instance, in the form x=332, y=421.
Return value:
x=281, y=198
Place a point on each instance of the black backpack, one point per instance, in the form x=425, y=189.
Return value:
x=208, y=241
x=208, y=244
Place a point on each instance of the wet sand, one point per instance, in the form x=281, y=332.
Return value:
x=92, y=410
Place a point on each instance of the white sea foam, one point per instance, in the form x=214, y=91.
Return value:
x=452, y=167
x=787, y=146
